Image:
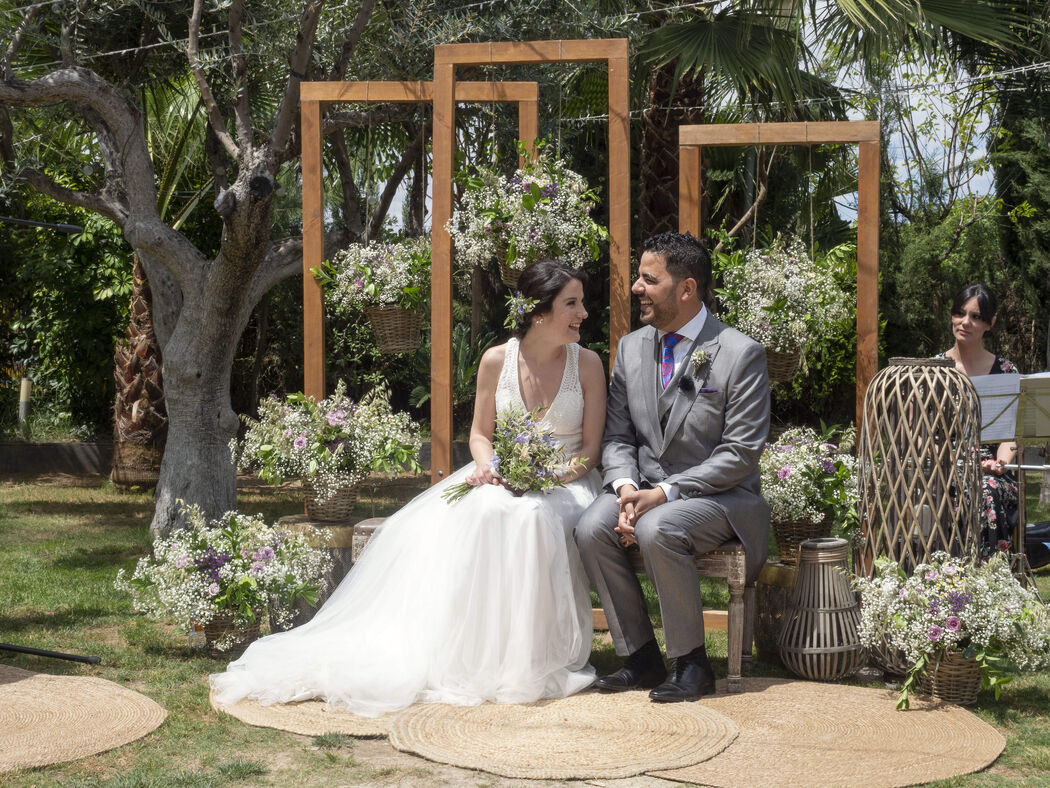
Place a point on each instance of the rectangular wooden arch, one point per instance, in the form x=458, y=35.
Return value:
x=311, y=96
x=865, y=134
x=447, y=57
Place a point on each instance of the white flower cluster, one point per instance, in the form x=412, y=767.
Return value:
x=781, y=298
x=951, y=603
x=237, y=564
x=542, y=211
x=807, y=479
x=333, y=444
x=378, y=274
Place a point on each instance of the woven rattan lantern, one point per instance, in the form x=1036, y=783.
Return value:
x=920, y=472
x=819, y=639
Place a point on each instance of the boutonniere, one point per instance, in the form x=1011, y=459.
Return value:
x=698, y=359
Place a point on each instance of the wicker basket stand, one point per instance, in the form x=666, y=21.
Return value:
x=223, y=623
x=790, y=535
x=953, y=678
x=396, y=329
x=819, y=638
x=338, y=508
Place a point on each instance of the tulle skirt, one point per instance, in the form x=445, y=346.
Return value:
x=482, y=600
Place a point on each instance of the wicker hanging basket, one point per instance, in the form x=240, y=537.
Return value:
x=919, y=473
x=509, y=275
x=396, y=329
x=337, y=508
x=953, y=678
x=791, y=534
x=782, y=366
x=224, y=623
x=819, y=640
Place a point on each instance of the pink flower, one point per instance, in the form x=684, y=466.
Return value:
x=336, y=419
x=258, y=568
x=952, y=623
x=784, y=472
x=288, y=432
x=359, y=283
x=213, y=589
x=299, y=442
x=934, y=633
x=931, y=575
x=949, y=569
x=182, y=562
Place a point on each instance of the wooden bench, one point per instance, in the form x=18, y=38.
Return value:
x=728, y=561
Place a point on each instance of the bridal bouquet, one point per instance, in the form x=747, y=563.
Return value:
x=237, y=565
x=524, y=454
x=955, y=604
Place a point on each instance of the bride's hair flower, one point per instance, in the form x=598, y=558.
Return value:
x=519, y=307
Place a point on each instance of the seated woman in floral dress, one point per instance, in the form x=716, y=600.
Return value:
x=973, y=316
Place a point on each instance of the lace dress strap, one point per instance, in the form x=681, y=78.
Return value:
x=508, y=393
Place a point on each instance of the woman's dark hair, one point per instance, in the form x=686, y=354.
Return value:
x=986, y=302
x=543, y=280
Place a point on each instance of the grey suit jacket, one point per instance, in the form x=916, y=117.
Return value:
x=715, y=429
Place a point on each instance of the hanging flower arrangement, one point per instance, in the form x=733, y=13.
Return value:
x=542, y=211
x=378, y=275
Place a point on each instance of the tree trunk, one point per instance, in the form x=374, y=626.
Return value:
x=140, y=418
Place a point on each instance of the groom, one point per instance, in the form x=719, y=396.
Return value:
x=688, y=415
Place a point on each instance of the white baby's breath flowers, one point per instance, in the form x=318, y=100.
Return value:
x=378, y=274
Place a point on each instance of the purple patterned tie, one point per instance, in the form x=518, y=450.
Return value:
x=667, y=359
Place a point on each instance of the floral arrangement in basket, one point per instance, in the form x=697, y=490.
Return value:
x=779, y=296
x=378, y=274
x=525, y=455
x=955, y=604
x=332, y=444
x=237, y=565
x=543, y=210
x=807, y=478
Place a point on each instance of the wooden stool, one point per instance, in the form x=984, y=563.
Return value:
x=728, y=561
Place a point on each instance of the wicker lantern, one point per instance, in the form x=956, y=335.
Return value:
x=920, y=472
x=819, y=638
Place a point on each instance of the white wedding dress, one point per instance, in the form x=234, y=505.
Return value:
x=481, y=600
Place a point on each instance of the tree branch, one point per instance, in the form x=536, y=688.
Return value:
x=338, y=72
x=218, y=123
x=763, y=190
x=297, y=64
x=91, y=201
x=240, y=74
x=410, y=156
x=349, y=119
x=16, y=40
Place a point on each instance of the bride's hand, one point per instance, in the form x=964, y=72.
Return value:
x=483, y=474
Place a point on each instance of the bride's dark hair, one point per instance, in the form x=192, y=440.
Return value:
x=543, y=280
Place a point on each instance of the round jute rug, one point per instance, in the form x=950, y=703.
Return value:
x=309, y=718
x=803, y=733
x=48, y=719
x=583, y=736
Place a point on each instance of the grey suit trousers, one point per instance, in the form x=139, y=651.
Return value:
x=669, y=537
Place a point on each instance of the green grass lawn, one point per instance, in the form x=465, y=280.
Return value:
x=61, y=544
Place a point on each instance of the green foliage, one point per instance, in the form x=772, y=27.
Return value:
x=466, y=356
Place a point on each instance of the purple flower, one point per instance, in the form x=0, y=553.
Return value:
x=827, y=465
x=958, y=600
x=784, y=472
x=934, y=633
x=265, y=554
x=359, y=283
x=494, y=462
x=952, y=623
x=258, y=567
x=336, y=419
x=213, y=589
x=932, y=575
x=300, y=442
x=288, y=432
x=181, y=562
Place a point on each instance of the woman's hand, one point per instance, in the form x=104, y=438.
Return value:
x=992, y=467
x=483, y=474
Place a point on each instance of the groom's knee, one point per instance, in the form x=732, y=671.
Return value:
x=596, y=525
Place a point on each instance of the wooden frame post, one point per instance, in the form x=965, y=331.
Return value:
x=447, y=57
x=311, y=96
x=865, y=134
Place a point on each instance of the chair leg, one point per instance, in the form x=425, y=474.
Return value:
x=736, y=636
x=746, y=658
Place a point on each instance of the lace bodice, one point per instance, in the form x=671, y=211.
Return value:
x=565, y=414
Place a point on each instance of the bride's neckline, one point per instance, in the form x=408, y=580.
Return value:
x=521, y=394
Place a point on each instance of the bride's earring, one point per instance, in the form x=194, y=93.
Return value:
x=539, y=319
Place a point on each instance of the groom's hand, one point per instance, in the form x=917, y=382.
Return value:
x=640, y=501
x=625, y=522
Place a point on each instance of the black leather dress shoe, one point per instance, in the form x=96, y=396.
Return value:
x=644, y=669
x=690, y=679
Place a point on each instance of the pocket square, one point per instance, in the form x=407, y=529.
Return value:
x=708, y=391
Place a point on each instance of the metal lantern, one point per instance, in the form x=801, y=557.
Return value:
x=920, y=472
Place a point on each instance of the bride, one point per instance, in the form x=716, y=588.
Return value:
x=484, y=599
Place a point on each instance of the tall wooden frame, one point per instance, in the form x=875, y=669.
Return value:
x=311, y=96
x=865, y=134
x=447, y=57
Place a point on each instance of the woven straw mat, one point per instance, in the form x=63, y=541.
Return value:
x=49, y=719
x=579, y=737
x=803, y=733
x=308, y=718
